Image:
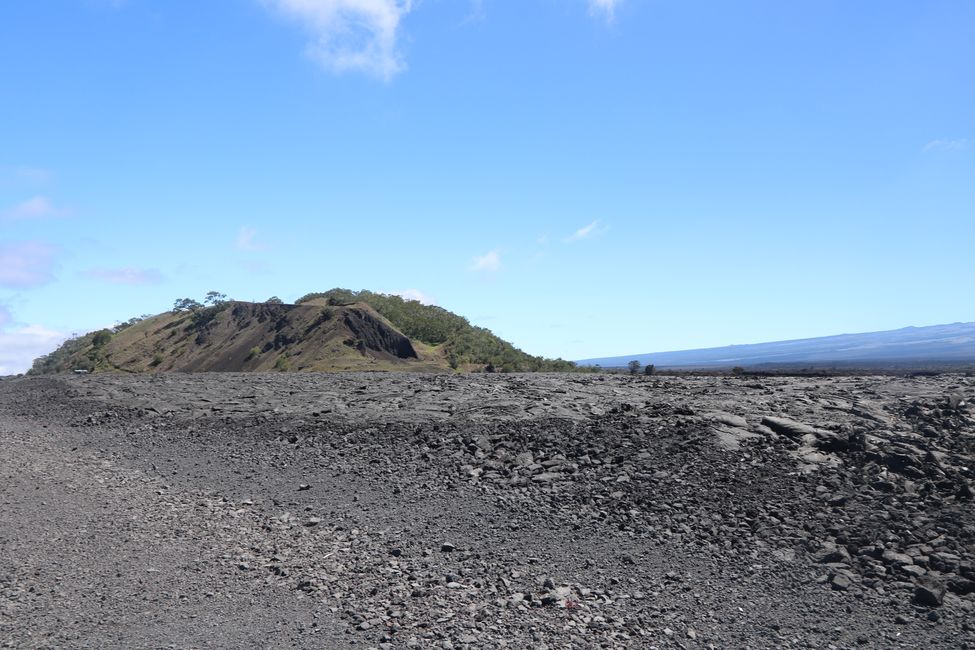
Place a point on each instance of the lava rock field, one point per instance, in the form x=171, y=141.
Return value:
x=486, y=511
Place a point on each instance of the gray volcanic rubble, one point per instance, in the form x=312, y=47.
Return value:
x=487, y=511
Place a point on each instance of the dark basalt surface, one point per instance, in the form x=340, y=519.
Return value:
x=480, y=511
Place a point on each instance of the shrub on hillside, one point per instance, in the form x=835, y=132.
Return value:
x=463, y=343
x=101, y=338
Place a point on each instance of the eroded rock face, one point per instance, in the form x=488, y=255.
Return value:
x=458, y=511
x=374, y=335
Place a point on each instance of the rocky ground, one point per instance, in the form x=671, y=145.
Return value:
x=488, y=511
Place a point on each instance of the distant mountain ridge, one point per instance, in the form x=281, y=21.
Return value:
x=954, y=343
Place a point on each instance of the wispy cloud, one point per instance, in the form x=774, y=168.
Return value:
x=490, y=261
x=255, y=266
x=475, y=14
x=417, y=295
x=247, y=240
x=128, y=275
x=351, y=35
x=38, y=207
x=20, y=346
x=960, y=144
x=606, y=8
x=26, y=264
x=24, y=175
x=5, y=316
x=588, y=231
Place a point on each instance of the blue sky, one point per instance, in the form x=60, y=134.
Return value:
x=584, y=178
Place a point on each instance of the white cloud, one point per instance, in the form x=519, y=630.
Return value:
x=351, y=35
x=5, y=316
x=490, y=261
x=605, y=8
x=26, y=264
x=588, y=231
x=960, y=144
x=417, y=295
x=20, y=346
x=128, y=275
x=38, y=207
x=246, y=240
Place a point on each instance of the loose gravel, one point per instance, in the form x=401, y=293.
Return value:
x=486, y=511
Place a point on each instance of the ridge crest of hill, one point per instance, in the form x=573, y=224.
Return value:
x=338, y=330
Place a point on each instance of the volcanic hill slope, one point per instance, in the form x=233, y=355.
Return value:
x=256, y=337
x=338, y=330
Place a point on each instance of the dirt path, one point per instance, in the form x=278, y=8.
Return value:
x=102, y=556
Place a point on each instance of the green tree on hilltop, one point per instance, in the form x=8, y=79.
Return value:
x=185, y=304
x=214, y=298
